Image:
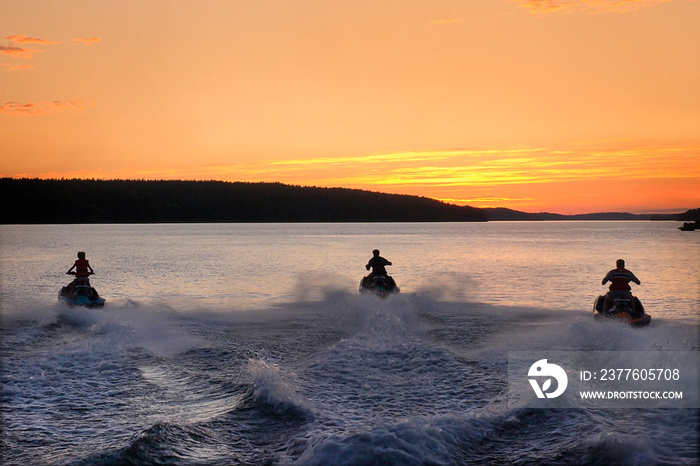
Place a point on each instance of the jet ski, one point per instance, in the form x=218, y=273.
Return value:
x=621, y=309
x=80, y=293
x=380, y=285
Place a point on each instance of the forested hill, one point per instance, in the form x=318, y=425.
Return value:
x=131, y=201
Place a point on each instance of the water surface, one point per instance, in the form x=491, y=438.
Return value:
x=249, y=344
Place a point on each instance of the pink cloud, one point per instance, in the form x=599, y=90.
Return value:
x=11, y=67
x=88, y=40
x=14, y=109
x=22, y=39
x=17, y=52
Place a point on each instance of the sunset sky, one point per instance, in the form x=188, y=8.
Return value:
x=567, y=106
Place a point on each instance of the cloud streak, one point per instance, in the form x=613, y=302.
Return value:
x=22, y=39
x=455, y=168
x=30, y=109
x=89, y=40
x=591, y=6
x=11, y=67
x=17, y=52
x=439, y=22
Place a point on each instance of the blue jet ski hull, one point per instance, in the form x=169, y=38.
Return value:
x=83, y=301
x=80, y=296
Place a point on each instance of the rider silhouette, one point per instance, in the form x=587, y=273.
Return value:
x=620, y=279
x=377, y=263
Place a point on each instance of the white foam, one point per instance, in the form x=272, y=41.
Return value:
x=276, y=389
x=430, y=440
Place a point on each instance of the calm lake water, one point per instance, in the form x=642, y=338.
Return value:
x=556, y=265
x=250, y=344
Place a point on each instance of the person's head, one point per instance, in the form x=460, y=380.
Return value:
x=375, y=252
x=620, y=264
x=81, y=255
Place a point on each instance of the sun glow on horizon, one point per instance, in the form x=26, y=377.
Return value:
x=464, y=177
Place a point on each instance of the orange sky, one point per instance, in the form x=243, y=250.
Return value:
x=567, y=106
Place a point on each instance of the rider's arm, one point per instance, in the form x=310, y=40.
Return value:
x=605, y=279
x=69, y=270
x=634, y=279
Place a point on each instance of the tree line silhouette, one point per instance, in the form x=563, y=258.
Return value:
x=692, y=215
x=144, y=201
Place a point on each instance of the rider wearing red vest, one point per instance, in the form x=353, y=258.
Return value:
x=82, y=267
x=620, y=279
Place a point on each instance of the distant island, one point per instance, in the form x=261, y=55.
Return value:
x=37, y=201
x=503, y=214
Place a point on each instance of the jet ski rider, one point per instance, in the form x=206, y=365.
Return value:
x=620, y=279
x=82, y=270
x=377, y=263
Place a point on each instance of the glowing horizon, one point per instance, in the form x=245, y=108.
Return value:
x=450, y=171
x=567, y=106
